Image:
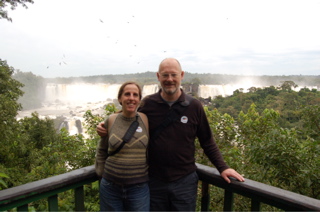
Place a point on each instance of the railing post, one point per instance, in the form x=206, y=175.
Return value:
x=79, y=198
x=23, y=208
x=53, y=202
x=205, y=196
x=228, y=200
x=255, y=205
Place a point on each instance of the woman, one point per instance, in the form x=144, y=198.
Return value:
x=124, y=184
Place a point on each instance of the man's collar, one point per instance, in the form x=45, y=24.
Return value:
x=180, y=98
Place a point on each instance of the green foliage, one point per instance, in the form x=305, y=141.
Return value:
x=279, y=154
x=269, y=135
x=283, y=99
x=29, y=153
x=259, y=148
x=13, y=4
x=9, y=94
x=33, y=149
x=34, y=90
x=2, y=183
x=311, y=121
x=225, y=134
x=90, y=124
x=40, y=152
x=288, y=85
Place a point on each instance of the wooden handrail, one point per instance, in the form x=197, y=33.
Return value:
x=21, y=195
x=258, y=192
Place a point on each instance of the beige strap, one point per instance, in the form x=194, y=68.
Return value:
x=111, y=119
x=144, y=119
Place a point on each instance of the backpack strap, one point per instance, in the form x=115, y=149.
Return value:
x=172, y=116
x=144, y=119
x=111, y=119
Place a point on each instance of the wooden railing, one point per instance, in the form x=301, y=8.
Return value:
x=257, y=192
x=19, y=197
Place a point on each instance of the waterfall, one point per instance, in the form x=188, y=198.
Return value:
x=206, y=91
x=149, y=89
x=212, y=91
x=81, y=93
x=72, y=125
x=72, y=100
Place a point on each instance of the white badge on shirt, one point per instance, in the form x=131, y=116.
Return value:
x=184, y=119
x=139, y=129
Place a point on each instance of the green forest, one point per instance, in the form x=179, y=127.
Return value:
x=270, y=135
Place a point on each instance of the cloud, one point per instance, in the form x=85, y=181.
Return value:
x=105, y=37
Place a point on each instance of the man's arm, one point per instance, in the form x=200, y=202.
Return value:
x=211, y=149
x=101, y=130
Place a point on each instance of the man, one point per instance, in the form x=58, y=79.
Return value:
x=172, y=170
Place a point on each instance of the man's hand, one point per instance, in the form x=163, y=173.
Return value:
x=101, y=130
x=231, y=173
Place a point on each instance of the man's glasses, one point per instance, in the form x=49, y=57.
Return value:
x=166, y=76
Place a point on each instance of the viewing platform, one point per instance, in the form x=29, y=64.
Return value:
x=19, y=197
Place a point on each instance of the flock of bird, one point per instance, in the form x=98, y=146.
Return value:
x=62, y=61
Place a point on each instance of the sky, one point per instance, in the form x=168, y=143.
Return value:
x=71, y=38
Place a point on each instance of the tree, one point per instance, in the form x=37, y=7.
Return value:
x=288, y=85
x=9, y=94
x=311, y=121
x=34, y=89
x=13, y=4
x=252, y=89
